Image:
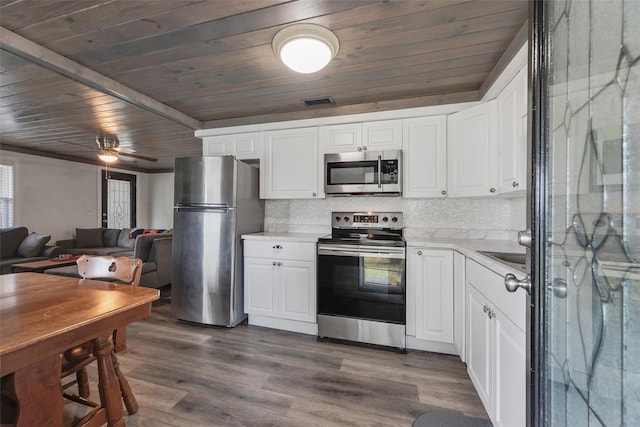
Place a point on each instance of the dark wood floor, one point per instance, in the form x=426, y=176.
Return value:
x=186, y=375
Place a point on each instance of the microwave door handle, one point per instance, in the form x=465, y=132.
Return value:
x=379, y=171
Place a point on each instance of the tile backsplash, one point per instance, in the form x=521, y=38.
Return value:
x=438, y=218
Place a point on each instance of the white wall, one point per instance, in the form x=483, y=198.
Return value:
x=161, y=199
x=56, y=196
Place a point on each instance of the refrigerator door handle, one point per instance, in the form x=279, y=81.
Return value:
x=211, y=209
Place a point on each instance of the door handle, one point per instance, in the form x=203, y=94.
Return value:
x=524, y=238
x=512, y=283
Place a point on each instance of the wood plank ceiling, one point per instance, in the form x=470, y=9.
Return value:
x=212, y=60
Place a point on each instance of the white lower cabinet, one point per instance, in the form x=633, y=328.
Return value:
x=495, y=348
x=430, y=314
x=459, y=285
x=280, y=284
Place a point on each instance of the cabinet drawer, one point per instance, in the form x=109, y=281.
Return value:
x=491, y=285
x=280, y=249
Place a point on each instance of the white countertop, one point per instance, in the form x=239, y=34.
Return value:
x=470, y=248
x=284, y=236
x=467, y=247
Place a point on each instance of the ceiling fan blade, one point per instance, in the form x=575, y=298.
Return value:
x=137, y=156
x=77, y=145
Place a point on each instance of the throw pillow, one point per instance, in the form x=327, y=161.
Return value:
x=123, y=239
x=89, y=238
x=32, y=245
x=111, y=237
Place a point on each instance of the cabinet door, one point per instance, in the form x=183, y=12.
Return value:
x=459, y=309
x=479, y=346
x=245, y=145
x=425, y=157
x=512, y=135
x=297, y=293
x=434, y=296
x=472, y=151
x=259, y=286
x=340, y=138
x=414, y=279
x=291, y=167
x=383, y=135
x=510, y=367
x=214, y=145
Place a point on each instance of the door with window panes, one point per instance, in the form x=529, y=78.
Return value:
x=118, y=200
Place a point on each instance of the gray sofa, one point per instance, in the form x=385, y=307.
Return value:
x=100, y=241
x=17, y=246
x=153, y=249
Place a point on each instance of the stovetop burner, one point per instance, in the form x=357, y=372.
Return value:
x=366, y=228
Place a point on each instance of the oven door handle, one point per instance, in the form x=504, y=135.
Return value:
x=361, y=252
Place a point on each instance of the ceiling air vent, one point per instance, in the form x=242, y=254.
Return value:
x=319, y=101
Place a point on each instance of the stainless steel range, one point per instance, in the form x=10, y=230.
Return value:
x=361, y=279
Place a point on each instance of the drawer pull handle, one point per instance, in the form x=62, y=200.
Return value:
x=277, y=247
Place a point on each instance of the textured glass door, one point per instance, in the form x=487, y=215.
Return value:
x=586, y=207
x=118, y=200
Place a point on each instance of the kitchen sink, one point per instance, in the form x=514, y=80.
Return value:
x=512, y=259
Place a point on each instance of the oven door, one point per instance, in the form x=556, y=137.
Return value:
x=365, y=282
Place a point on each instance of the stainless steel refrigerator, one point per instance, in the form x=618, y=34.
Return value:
x=216, y=200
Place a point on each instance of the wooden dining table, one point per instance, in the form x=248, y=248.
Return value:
x=43, y=315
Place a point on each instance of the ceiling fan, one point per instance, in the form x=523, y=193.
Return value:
x=109, y=150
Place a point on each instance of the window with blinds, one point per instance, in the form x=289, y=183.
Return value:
x=6, y=196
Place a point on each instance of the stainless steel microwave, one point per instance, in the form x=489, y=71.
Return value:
x=363, y=172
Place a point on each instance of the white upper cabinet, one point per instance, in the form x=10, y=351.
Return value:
x=215, y=145
x=424, y=153
x=382, y=135
x=512, y=135
x=344, y=138
x=243, y=145
x=340, y=138
x=290, y=164
x=472, y=151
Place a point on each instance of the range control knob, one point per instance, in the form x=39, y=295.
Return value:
x=338, y=218
x=394, y=219
x=385, y=219
x=346, y=219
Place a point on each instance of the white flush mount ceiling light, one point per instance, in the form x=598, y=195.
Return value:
x=305, y=48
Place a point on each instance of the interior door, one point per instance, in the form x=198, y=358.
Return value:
x=585, y=207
